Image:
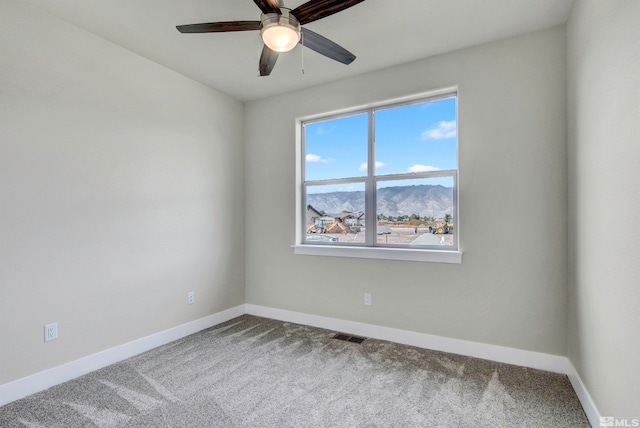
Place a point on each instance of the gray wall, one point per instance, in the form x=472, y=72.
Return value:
x=603, y=40
x=121, y=188
x=116, y=175
x=511, y=288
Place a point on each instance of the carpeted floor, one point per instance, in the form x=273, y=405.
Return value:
x=256, y=372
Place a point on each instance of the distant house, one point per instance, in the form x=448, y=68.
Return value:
x=320, y=222
x=350, y=220
x=313, y=215
x=316, y=221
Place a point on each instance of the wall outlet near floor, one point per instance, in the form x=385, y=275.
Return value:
x=51, y=331
x=367, y=299
x=191, y=297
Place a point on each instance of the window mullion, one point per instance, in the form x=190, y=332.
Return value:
x=370, y=186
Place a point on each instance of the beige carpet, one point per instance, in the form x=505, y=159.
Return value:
x=256, y=372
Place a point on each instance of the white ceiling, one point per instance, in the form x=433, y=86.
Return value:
x=381, y=33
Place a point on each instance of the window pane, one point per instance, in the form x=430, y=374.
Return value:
x=335, y=213
x=416, y=138
x=416, y=212
x=336, y=148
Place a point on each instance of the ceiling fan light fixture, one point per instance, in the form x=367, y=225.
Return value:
x=280, y=32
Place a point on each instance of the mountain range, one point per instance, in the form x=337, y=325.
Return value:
x=424, y=200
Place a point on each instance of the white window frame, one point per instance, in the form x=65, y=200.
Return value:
x=371, y=249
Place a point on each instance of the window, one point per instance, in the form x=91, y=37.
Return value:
x=382, y=179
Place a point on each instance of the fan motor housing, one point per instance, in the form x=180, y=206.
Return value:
x=280, y=32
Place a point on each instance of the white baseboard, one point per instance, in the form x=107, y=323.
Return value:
x=554, y=363
x=587, y=402
x=502, y=354
x=45, y=379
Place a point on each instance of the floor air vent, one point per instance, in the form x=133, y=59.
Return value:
x=347, y=338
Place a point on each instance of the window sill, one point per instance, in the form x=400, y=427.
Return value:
x=408, y=254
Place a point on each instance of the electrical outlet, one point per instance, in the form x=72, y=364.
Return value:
x=51, y=332
x=367, y=299
x=191, y=297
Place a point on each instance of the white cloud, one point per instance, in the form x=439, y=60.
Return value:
x=317, y=158
x=363, y=166
x=443, y=130
x=323, y=130
x=422, y=168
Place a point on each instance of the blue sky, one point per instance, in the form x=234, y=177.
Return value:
x=411, y=138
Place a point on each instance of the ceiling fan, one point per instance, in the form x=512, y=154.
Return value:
x=281, y=29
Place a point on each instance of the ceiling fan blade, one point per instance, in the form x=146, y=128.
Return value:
x=268, y=60
x=318, y=9
x=326, y=47
x=219, y=27
x=268, y=6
